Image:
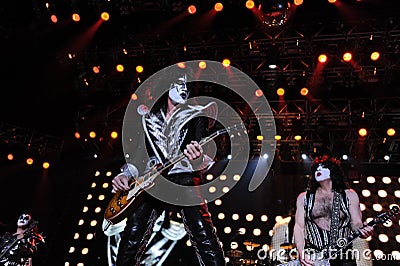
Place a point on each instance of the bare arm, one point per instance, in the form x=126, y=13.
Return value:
x=356, y=215
x=299, y=236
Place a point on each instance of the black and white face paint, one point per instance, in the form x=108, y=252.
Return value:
x=178, y=91
x=322, y=173
x=23, y=220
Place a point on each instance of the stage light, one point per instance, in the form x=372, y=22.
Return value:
x=92, y=134
x=272, y=66
x=386, y=157
x=236, y=178
x=391, y=132
x=249, y=4
x=322, y=58
x=181, y=65
x=119, y=68
x=278, y=137
x=383, y=238
x=382, y=193
x=53, y=18
x=362, y=132
x=303, y=156
x=221, y=216
x=297, y=137
x=134, y=97
x=249, y=217
x=235, y=216
x=218, y=7
x=76, y=17
x=46, y=165
x=96, y=69
x=371, y=179
x=218, y=202
x=259, y=93
x=332, y=1
x=304, y=91
x=192, y=9
x=386, y=180
x=226, y=62
x=10, y=157
x=280, y=92
x=347, y=56
x=139, y=69
x=227, y=230
x=345, y=157
x=298, y=2
x=114, y=135
x=264, y=218
x=29, y=161
x=375, y=56
x=202, y=64
x=105, y=16
x=260, y=137
x=366, y=193
x=256, y=232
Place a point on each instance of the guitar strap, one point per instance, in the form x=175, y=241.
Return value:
x=335, y=218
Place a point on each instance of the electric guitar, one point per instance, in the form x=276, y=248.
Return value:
x=322, y=258
x=124, y=202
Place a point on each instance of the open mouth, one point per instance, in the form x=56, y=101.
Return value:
x=319, y=174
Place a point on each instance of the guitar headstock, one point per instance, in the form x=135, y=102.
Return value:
x=386, y=216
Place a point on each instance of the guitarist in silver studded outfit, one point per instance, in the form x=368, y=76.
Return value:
x=172, y=128
x=326, y=213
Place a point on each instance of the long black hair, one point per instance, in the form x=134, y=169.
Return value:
x=337, y=175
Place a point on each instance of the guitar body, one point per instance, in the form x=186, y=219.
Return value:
x=124, y=202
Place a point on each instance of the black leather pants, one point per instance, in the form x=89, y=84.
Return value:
x=197, y=223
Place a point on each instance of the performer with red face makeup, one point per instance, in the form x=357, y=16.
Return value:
x=327, y=212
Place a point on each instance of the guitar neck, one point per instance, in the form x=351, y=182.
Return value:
x=181, y=156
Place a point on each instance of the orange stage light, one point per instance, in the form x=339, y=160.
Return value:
x=134, y=97
x=46, y=165
x=347, y=56
x=322, y=58
x=226, y=62
x=202, y=65
x=218, y=7
x=259, y=93
x=77, y=135
x=304, y=91
x=92, y=134
x=391, y=132
x=139, y=69
x=298, y=2
x=280, y=91
x=362, y=132
x=192, y=9
x=96, y=69
x=54, y=18
x=114, y=134
x=76, y=17
x=120, y=68
x=29, y=161
x=105, y=16
x=375, y=56
x=249, y=4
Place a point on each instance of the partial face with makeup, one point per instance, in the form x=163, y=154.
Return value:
x=322, y=173
x=24, y=220
x=178, y=91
